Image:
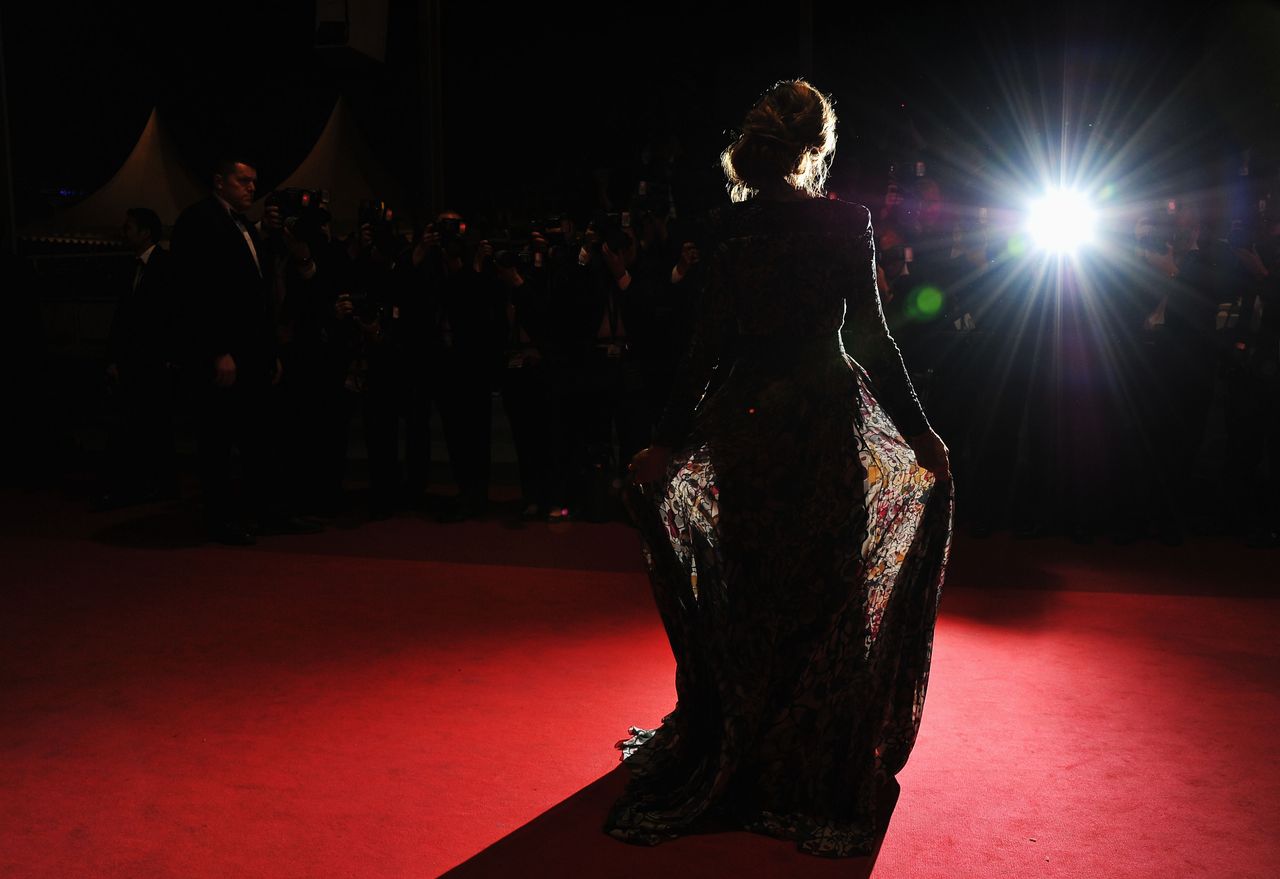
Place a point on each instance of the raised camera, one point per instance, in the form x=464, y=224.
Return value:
x=307, y=206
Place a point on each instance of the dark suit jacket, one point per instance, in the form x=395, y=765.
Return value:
x=231, y=305
x=146, y=318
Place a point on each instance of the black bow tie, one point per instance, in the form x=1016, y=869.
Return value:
x=240, y=218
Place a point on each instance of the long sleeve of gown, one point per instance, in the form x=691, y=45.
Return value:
x=873, y=346
x=714, y=322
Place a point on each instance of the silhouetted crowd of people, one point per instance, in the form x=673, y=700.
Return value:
x=278, y=334
x=1130, y=390
x=1080, y=386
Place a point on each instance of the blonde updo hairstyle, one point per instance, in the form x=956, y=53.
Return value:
x=788, y=136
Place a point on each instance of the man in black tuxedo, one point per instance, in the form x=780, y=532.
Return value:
x=233, y=274
x=140, y=358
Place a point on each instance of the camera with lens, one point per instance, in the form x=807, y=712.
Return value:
x=620, y=219
x=510, y=257
x=451, y=229
x=610, y=229
x=302, y=211
x=376, y=214
x=509, y=251
x=513, y=248
x=378, y=217
x=552, y=229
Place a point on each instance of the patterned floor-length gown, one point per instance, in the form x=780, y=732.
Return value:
x=796, y=551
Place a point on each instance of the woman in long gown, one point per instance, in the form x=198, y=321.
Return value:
x=795, y=541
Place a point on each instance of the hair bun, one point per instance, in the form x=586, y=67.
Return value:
x=789, y=135
x=777, y=138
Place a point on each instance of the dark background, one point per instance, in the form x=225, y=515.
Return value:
x=536, y=96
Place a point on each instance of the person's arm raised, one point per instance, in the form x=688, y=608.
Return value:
x=872, y=345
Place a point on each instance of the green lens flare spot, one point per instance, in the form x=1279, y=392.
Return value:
x=923, y=303
x=1017, y=245
x=929, y=301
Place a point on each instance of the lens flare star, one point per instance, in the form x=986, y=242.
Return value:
x=1062, y=221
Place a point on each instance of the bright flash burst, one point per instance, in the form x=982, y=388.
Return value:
x=1062, y=221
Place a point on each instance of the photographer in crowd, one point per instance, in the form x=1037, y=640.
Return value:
x=558, y=277
x=1143, y=389
x=670, y=268
x=462, y=336
x=316, y=342
x=1252, y=379
x=142, y=351
x=1043, y=387
x=612, y=322
x=530, y=317
x=379, y=361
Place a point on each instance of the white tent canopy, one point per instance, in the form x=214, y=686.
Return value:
x=153, y=176
x=342, y=162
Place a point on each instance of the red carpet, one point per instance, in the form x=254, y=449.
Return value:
x=343, y=705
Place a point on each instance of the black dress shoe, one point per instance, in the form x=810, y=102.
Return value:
x=231, y=534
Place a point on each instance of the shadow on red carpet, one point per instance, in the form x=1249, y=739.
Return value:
x=567, y=840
